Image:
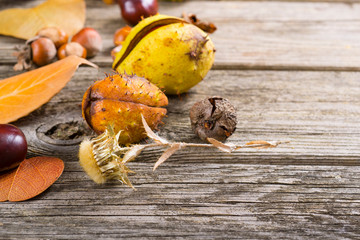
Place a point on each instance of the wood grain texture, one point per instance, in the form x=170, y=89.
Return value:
x=318, y=112
x=183, y=201
x=252, y=35
x=307, y=189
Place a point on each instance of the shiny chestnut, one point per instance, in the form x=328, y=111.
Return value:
x=13, y=146
x=134, y=10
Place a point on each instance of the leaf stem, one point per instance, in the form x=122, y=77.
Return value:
x=204, y=145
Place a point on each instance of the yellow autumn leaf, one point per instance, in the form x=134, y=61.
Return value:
x=23, y=93
x=68, y=15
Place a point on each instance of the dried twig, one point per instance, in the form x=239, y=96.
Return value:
x=103, y=159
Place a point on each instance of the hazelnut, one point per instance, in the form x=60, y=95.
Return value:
x=121, y=34
x=90, y=39
x=71, y=48
x=57, y=35
x=43, y=51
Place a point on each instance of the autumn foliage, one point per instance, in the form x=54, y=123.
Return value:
x=32, y=177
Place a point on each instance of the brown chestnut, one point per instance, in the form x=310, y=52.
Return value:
x=134, y=10
x=13, y=146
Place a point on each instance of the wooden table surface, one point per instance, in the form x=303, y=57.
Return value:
x=291, y=69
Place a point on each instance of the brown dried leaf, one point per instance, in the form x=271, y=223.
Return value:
x=32, y=177
x=133, y=153
x=221, y=146
x=170, y=151
x=68, y=15
x=208, y=27
x=151, y=134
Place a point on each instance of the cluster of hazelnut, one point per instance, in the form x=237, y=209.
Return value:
x=52, y=41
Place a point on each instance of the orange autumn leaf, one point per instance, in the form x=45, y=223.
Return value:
x=32, y=177
x=68, y=15
x=23, y=93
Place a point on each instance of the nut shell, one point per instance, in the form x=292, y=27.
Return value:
x=55, y=34
x=213, y=117
x=90, y=39
x=43, y=51
x=71, y=48
x=121, y=34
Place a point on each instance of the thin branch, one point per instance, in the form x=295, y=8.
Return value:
x=111, y=158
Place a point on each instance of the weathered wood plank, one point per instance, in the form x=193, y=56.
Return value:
x=253, y=35
x=318, y=112
x=283, y=193
x=197, y=201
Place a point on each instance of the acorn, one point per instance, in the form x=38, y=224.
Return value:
x=118, y=101
x=168, y=51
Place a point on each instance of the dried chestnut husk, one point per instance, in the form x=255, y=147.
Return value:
x=213, y=117
x=118, y=101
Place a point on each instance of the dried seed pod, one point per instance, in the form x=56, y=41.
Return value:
x=55, y=34
x=208, y=27
x=213, y=117
x=118, y=101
